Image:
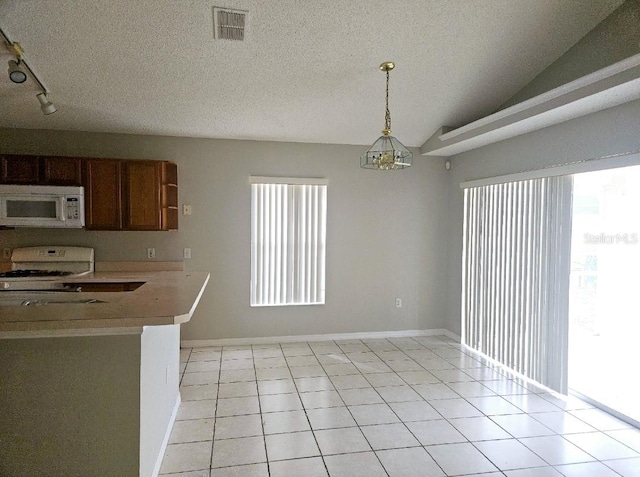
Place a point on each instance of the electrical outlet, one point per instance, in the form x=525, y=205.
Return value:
x=398, y=302
x=6, y=253
x=151, y=253
x=186, y=209
x=186, y=253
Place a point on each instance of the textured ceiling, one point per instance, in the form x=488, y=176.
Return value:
x=307, y=72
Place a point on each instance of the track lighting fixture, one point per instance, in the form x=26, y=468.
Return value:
x=46, y=106
x=16, y=73
x=18, y=69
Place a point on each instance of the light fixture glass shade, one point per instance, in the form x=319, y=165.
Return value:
x=16, y=74
x=386, y=154
x=46, y=106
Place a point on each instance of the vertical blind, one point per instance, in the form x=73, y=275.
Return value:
x=516, y=261
x=288, y=249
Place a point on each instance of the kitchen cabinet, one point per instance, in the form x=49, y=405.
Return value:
x=142, y=192
x=41, y=170
x=131, y=195
x=20, y=169
x=64, y=171
x=120, y=194
x=103, y=194
x=150, y=195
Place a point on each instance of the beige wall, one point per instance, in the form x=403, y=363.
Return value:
x=386, y=232
x=70, y=406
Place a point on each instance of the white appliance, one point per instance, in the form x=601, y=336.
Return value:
x=41, y=206
x=40, y=268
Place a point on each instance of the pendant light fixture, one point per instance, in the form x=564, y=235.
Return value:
x=387, y=153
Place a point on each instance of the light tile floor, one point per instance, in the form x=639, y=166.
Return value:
x=422, y=406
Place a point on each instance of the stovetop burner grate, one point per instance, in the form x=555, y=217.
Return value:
x=34, y=273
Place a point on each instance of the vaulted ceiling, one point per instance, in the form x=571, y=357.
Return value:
x=306, y=72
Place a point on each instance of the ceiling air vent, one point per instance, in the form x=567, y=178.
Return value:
x=229, y=24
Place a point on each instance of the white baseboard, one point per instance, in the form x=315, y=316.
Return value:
x=322, y=337
x=167, y=434
x=453, y=336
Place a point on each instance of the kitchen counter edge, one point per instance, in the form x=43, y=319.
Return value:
x=166, y=298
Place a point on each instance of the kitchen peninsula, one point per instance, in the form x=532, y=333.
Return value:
x=89, y=380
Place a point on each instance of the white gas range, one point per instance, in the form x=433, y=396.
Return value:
x=40, y=268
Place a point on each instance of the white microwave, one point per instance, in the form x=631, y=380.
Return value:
x=41, y=206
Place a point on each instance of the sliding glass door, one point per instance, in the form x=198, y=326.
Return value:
x=551, y=277
x=604, y=303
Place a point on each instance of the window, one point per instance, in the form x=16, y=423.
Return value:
x=288, y=250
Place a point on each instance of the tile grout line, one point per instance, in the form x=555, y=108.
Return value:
x=264, y=436
x=215, y=415
x=183, y=372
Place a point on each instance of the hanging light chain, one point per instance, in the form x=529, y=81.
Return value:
x=387, y=114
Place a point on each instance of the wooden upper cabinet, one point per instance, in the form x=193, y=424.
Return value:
x=62, y=170
x=103, y=194
x=142, y=188
x=41, y=170
x=119, y=194
x=20, y=169
x=150, y=195
x=130, y=195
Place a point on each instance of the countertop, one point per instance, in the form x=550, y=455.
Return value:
x=166, y=298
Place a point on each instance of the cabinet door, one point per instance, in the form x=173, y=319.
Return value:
x=142, y=193
x=20, y=169
x=62, y=170
x=103, y=194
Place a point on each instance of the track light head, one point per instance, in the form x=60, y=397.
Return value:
x=16, y=73
x=46, y=106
